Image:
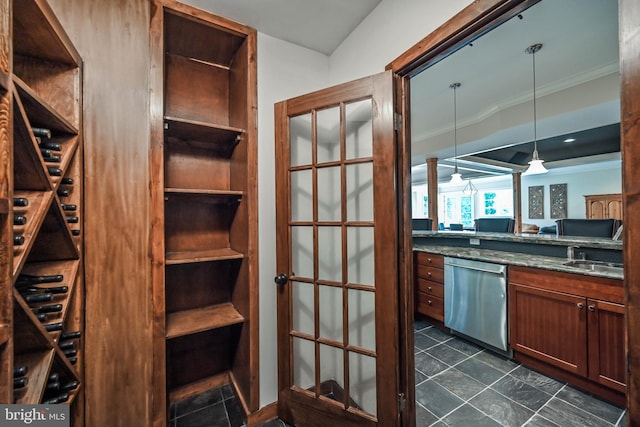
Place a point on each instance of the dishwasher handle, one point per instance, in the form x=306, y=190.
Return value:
x=500, y=271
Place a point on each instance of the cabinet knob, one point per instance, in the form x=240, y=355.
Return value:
x=429, y=287
x=592, y=308
x=429, y=273
x=580, y=305
x=428, y=259
x=281, y=279
x=429, y=302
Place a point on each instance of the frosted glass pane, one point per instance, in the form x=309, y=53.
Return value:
x=331, y=370
x=300, y=140
x=330, y=253
x=330, y=312
x=358, y=129
x=302, y=251
x=360, y=192
x=362, y=381
x=328, y=136
x=360, y=256
x=303, y=363
x=302, y=307
x=329, y=201
x=362, y=319
x=301, y=196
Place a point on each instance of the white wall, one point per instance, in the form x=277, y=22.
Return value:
x=604, y=180
x=285, y=70
x=387, y=32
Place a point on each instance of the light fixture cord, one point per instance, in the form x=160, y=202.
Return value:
x=455, y=86
x=535, y=118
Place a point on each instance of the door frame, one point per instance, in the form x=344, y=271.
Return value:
x=478, y=18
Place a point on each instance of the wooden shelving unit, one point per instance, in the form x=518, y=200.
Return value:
x=41, y=87
x=204, y=178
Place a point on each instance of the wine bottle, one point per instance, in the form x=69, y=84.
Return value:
x=53, y=327
x=18, y=240
x=41, y=132
x=71, y=385
x=44, y=297
x=54, y=171
x=75, y=232
x=37, y=289
x=52, y=386
x=58, y=398
x=72, y=219
x=53, y=376
x=70, y=352
x=20, y=201
x=42, y=317
x=29, y=279
x=19, y=220
x=20, y=371
x=68, y=207
x=67, y=180
x=73, y=360
x=49, y=308
x=62, y=192
x=66, y=345
x=45, y=152
x=20, y=382
x=70, y=335
x=53, y=146
x=52, y=158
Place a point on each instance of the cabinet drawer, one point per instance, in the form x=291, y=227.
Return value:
x=430, y=288
x=430, y=306
x=424, y=258
x=430, y=273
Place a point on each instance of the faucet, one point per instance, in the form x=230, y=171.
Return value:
x=571, y=254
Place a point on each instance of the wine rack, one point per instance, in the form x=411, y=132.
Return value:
x=204, y=178
x=41, y=212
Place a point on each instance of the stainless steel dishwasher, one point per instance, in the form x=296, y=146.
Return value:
x=475, y=300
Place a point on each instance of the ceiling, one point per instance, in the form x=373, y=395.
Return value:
x=577, y=93
x=320, y=25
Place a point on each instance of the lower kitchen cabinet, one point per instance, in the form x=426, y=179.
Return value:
x=429, y=285
x=572, y=323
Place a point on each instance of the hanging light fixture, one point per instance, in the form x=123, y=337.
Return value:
x=469, y=189
x=535, y=165
x=456, y=178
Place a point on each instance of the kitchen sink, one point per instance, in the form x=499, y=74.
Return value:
x=602, y=266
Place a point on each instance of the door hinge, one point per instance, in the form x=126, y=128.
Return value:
x=397, y=122
x=402, y=402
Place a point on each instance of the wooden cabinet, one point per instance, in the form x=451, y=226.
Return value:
x=204, y=178
x=600, y=206
x=41, y=207
x=571, y=322
x=429, y=284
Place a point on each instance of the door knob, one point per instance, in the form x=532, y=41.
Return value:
x=281, y=279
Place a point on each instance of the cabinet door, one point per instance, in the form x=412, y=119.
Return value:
x=614, y=209
x=549, y=326
x=596, y=209
x=606, y=344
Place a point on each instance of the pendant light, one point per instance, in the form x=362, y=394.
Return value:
x=469, y=189
x=535, y=165
x=456, y=178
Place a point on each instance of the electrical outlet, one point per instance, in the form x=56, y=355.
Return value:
x=475, y=242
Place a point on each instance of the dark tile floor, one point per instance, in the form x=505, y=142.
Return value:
x=461, y=384
x=458, y=384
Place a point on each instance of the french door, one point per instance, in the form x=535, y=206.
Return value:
x=337, y=256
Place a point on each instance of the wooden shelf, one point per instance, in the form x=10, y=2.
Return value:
x=38, y=33
x=197, y=387
x=202, y=319
x=211, y=196
x=202, y=256
x=40, y=113
x=39, y=203
x=53, y=241
x=38, y=365
x=4, y=206
x=29, y=172
x=211, y=134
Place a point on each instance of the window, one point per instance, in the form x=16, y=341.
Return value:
x=456, y=208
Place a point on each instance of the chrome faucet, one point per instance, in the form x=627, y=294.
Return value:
x=571, y=253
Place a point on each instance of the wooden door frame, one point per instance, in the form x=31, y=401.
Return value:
x=473, y=21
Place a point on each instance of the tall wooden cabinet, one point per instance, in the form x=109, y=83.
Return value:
x=40, y=209
x=204, y=185
x=600, y=206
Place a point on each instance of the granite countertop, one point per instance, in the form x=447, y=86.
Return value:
x=513, y=258
x=547, y=239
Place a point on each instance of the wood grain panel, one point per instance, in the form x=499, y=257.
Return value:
x=115, y=50
x=607, y=349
